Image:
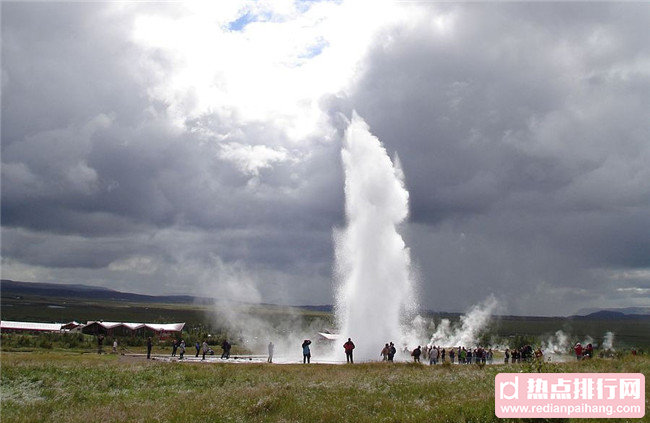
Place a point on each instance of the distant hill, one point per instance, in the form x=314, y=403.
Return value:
x=641, y=311
x=16, y=288
x=326, y=308
x=10, y=288
x=605, y=314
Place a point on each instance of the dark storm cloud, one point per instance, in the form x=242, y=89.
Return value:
x=523, y=136
x=97, y=180
x=64, y=63
x=522, y=130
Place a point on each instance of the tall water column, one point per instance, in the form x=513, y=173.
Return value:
x=373, y=264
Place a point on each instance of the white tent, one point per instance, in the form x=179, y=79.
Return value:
x=8, y=325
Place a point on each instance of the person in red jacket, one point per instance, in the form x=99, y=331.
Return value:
x=578, y=350
x=349, y=346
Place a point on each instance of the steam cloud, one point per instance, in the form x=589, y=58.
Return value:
x=608, y=341
x=467, y=331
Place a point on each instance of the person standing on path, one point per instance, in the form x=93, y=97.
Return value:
x=226, y=349
x=391, y=351
x=349, y=347
x=149, y=346
x=306, y=352
x=416, y=354
x=578, y=349
x=100, y=343
x=271, y=347
x=385, y=352
x=182, y=348
x=205, y=348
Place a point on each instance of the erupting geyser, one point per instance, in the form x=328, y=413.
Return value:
x=372, y=262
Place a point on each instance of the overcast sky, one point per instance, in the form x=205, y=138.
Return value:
x=195, y=148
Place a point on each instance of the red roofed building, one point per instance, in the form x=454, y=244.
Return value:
x=161, y=330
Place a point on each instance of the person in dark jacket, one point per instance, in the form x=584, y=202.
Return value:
x=392, y=351
x=306, y=352
x=416, y=354
x=226, y=349
x=100, y=343
x=589, y=351
x=349, y=347
x=149, y=346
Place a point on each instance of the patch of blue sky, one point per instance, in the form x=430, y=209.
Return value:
x=242, y=21
x=303, y=5
x=314, y=49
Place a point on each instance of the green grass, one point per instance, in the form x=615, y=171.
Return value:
x=66, y=387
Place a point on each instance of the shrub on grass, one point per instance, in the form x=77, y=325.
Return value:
x=46, y=341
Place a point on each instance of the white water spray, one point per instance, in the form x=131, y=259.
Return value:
x=372, y=261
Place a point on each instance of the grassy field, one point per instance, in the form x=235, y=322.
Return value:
x=50, y=386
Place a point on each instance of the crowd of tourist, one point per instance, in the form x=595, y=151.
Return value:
x=430, y=353
x=461, y=355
